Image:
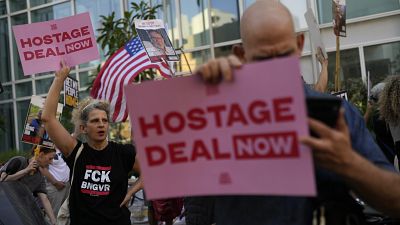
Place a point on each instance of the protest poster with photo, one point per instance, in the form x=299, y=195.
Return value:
x=155, y=40
x=221, y=139
x=34, y=131
x=71, y=92
x=43, y=45
x=315, y=33
x=339, y=17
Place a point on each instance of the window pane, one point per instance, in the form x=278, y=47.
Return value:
x=43, y=85
x=137, y=1
x=5, y=70
x=7, y=94
x=350, y=76
x=306, y=69
x=16, y=5
x=52, y=12
x=97, y=8
x=194, y=59
x=225, y=20
x=39, y=2
x=297, y=8
x=23, y=89
x=382, y=60
x=86, y=78
x=22, y=110
x=195, y=26
x=356, y=8
x=83, y=94
x=3, y=7
x=7, y=133
x=223, y=51
x=247, y=3
x=17, y=20
x=171, y=21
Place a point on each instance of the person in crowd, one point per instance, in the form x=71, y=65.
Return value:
x=26, y=171
x=389, y=106
x=98, y=194
x=344, y=156
x=322, y=82
x=57, y=181
x=380, y=128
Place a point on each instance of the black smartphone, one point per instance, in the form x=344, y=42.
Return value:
x=324, y=108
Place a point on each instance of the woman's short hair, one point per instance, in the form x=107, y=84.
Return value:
x=80, y=115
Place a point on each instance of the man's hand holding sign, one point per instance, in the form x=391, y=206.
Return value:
x=247, y=127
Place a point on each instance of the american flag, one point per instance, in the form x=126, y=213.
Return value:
x=119, y=70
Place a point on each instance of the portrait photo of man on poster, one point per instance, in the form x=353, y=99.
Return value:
x=157, y=45
x=155, y=40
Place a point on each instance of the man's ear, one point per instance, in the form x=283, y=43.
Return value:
x=300, y=42
x=238, y=50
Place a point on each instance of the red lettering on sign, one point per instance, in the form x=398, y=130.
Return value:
x=262, y=146
x=196, y=119
x=144, y=127
x=174, y=122
x=236, y=115
x=78, y=45
x=282, y=108
x=177, y=152
x=220, y=116
x=155, y=155
x=180, y=152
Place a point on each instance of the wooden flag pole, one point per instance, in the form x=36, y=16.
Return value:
x=337, y=67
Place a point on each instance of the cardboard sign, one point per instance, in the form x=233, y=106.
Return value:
x=155, y=40
x=339, y=17
x=71, y=92
x=315, y=33
x=34, y=131
x=41, y=46
x=234, y=138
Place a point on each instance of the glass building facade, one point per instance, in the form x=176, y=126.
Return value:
x=204, y=29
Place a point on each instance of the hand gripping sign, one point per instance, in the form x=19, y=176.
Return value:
x=41, y=46
x=234, y=138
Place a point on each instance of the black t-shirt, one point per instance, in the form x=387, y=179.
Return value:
x=100, y=184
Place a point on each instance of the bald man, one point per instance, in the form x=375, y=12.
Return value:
x=346, y=157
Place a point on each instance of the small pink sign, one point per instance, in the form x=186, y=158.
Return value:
x=235, y=138
x=41, y=46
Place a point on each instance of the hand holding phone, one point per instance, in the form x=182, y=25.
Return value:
x=324, y=108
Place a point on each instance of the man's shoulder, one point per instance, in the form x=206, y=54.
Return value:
x=15, y=164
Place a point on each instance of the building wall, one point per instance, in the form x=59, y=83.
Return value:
x=204, y=29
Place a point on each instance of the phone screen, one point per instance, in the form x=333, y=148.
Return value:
x=324, y=108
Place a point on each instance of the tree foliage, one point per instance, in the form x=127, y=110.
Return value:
x=114, y=33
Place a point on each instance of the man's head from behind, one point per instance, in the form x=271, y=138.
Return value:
x=156, y=39
x=267, y=31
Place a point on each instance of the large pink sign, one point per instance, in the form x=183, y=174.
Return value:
x=41, y=46
x=234, y=138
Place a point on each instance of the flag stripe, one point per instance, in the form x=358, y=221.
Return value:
x=99, y=82
x=119, y=70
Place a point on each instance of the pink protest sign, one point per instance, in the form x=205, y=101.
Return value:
x=234, y=138
x=41, y=46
